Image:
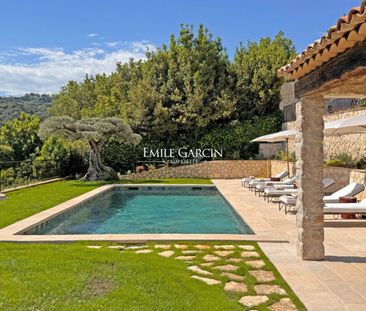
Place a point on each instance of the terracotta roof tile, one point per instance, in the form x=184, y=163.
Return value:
x=349, y=30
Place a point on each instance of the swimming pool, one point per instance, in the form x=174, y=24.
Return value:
x=144, y=209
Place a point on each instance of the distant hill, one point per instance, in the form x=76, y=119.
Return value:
x=11, y=107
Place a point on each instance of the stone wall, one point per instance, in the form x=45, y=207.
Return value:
x=354, y=144
x=210, y=169
x=279, y=166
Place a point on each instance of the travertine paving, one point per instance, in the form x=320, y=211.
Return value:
x=250, y=282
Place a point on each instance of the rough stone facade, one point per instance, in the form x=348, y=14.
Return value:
x=210, y=169
x=354, y=144
x=309, y=175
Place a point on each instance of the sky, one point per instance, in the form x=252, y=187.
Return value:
x=45, y=43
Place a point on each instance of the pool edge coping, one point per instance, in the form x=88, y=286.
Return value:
x=13, y=232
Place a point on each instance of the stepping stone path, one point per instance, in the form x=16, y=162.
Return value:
x=253, y=301
x=94, y=246
x=136, y=247
x=224, y=253
x=226, y=268
x=247, y=247
x=185, y=257
x=166, y=253
x=235, y=260
x=249, y=254
x=162, y=246
x=225, y=247
x=210, y=258
x=233, y=277
x=144, y=251
x=269, y=289
x=263, y=276
x=200, y=246
x=256, y=264
x=206, y=280
x=285, y=304
x=198, y=270
x=236, y=287
x=181, y=246
x=232, y=271
x=190, y=252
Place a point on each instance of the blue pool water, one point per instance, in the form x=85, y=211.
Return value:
x=156, y=211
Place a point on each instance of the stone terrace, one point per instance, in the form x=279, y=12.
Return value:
x=337, y=283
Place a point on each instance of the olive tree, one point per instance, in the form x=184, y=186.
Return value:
x=96, y=131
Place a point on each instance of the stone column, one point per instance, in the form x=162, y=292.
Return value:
x=309, y=173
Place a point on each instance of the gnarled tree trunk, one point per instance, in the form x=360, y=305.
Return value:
x=96, y=170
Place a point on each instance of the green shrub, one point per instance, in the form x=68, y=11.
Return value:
x=283, y=156
x=341, y=160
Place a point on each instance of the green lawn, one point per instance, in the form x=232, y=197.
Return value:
x=29, y=201
x=73, y=277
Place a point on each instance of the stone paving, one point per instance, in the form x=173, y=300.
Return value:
x=238, y=269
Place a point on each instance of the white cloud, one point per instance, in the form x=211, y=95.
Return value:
x=45, y=70
x=92, y=35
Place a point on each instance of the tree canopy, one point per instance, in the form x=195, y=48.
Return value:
x=96, y=131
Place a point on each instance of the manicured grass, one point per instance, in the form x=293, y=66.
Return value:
x=29, y=201
x=73, y=277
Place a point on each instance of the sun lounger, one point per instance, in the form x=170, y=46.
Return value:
x=2, y=196
x=349, y=191
x=253, y=184
x=246, y=180
x=345, y=208
x=270, y=193
x=286, y=184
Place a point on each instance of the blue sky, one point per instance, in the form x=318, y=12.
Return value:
x=46, y=43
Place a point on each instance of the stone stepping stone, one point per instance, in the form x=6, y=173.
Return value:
x=248, y=254
x=198, y=270
x=144, y=251
x=116, y=246
x=269, y=289
x=247, y=247
x=206, y=280
x=233, y=277
x=236, y=287
x=262, y=275
x=211, y=258
x=185, y=258
x=162, y=246
x=166, y=253
x=285, y=304
x=136, y=247
x=224, y=253
x=235, y=260
x=202, y=246
x=226, y=268
x=225, y=247
x=181, y=246
x=253, y=301
x=190, y=252
x=207, y=264
x=256, y=264
x=94, y=246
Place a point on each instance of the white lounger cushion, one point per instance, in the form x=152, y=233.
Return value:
x=287, y=181
x=281, y=175
x=279, y=192
x=2, y=196
x=288, y=199
x=348, y=191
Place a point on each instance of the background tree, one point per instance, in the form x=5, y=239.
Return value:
x=96, y=131
x=18, y=138
x=257, y=87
